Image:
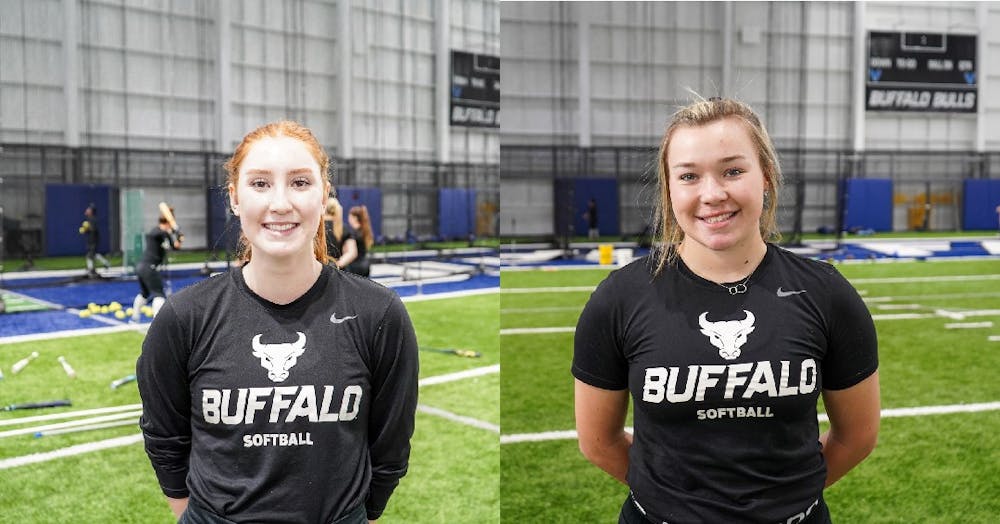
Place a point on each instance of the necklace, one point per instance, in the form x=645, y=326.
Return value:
x=738, y=288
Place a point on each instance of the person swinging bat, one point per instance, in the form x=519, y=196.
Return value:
x=165, y=235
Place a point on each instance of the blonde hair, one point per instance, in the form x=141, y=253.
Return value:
x=286, y=128
x=336, y=212
x=703, y=112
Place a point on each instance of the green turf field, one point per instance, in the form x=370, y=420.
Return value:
x=454, y=467
x=932, y=468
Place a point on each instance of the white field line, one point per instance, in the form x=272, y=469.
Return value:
x=69, y=414
x=91, y=427
x=512, y=310
x=906, y=280
x=886, y=413
x=451, y=294
x=451, y=377
x=530, y=290
x=70, y=451
x=536, y=331
x=461, y=419
x=931, y=296
x=957, y=315
x=135, y=439
x=460, y=375
x=124, y=326
x=968, y=325
x=69, y=424
x=73, y=333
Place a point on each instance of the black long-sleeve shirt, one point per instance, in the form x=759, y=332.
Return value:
x=280, y=413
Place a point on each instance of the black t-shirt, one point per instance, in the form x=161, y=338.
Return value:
x=157, y=243
x=90, y=231
x=724, y=387
x=280, y=413
x=332, y=242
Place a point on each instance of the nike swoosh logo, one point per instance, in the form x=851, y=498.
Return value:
x=335, y=320
x=782, y=293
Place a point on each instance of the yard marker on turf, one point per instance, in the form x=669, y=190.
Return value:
x=993, y=338
x=954, y=315
x=36, y=405
x=70, y=372
x=968, y=325
x=20, y=364
x=91, y=427
x=122, y=381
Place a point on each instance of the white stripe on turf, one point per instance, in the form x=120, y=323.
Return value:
x=536, y=331
x=451, y=294
x=919, y=411
x=70, y=451
x=461, y=419
x=70, y=424
x=529, y=290
x=906, y=280
x=73, y=333
x=69, y=414
x=125, y=441
x=451, y=377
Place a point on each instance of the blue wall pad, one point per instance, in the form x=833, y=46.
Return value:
x=368, y=196
x=981, y=198
x=65, y=204
x=456, y=213
x=867, y=204
x=604, y=191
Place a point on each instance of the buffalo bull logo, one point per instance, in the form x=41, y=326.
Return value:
x=277, y=359
x=727, y=335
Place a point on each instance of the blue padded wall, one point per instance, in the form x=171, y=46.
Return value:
x=65, y=204
x=979, y=206
x=868, y=204
x=604, y=191
x=456, y=213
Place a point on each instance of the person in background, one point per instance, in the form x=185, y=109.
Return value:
x=92, y=234
x=357, y=243
x=333, y=223
x=724, y=341
x=281, y=391
x=593, y=233
x=158, y=240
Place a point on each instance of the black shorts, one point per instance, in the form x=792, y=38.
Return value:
x=630, y=514
x=198, y=514
x=150, y=282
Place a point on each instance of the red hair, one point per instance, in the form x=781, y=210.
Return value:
x=277, y=129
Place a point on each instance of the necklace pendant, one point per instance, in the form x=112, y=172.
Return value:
x=738, y=289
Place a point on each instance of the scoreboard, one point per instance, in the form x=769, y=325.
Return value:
x=921, y=72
